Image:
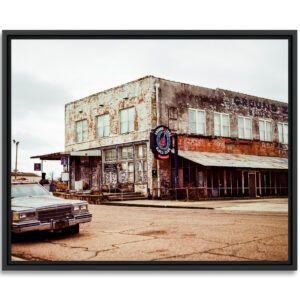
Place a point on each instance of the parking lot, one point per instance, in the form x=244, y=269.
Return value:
x=228, y=231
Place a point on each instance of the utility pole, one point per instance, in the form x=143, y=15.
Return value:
x=16, y=165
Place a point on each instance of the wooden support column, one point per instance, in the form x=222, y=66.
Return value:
x=275, y=182
x=205, y=182
x=259, y=182
x=243, y=185
x=225, y=183
x=231, y=181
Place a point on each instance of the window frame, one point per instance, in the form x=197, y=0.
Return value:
x=76, y=124
x=251, y=127
x=265, y=122
x=283, y=124
x=120, y=121
x=196, y=113
x=102, y=116
x=221, y=123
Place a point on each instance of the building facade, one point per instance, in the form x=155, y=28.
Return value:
x=229, y=144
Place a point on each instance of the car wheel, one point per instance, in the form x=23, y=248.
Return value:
x=72, y=229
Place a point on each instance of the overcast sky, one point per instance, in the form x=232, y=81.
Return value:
x=47, y=74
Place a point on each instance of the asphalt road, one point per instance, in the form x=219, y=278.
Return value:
x=122, y=233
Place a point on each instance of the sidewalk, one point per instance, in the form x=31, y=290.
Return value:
x=270, y=205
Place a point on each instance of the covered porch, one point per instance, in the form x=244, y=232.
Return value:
x=210, y=175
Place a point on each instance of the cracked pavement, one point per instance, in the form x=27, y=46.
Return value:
x=120, y=233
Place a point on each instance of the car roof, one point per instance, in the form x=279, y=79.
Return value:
x=24, y=182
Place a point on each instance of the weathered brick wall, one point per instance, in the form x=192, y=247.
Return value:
x=184, y=96
x=140, y=95
x=232, y=146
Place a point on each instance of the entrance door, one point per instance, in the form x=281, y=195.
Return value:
x=252, y=188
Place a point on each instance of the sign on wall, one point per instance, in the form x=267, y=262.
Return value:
x=37, y=167
x=110, y=168
x=160, y=142
x=64, y=160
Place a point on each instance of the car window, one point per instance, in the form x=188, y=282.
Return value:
x=28, y=190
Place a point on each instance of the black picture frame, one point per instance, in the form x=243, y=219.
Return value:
x=9, y=35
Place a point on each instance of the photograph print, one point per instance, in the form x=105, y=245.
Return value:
x=138, y=151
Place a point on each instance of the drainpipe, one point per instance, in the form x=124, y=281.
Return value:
x=157, y=123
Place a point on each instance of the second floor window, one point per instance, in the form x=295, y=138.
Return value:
x=245, y=128
x=221, y=122
x=283, y=133
x=102, y=126
x=81, y=131
x=127, y=120
x=265, y=130
x=197, y=121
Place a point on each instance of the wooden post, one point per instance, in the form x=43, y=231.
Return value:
x=259, y=181
x=243, y=185
x=275, y=182
x=225, y=183
x=205, y=184
x=231, y=181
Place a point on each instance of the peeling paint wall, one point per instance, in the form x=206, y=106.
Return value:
x=227, y=145
x=174, y=101
x=180, y=96
x=139, y=94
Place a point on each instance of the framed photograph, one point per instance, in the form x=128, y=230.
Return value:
x=180, y=149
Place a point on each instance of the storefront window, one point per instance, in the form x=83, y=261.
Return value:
x=110, y=155
x=141, y=163
x=126, y=153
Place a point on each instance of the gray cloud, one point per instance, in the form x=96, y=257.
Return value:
x=46, y=74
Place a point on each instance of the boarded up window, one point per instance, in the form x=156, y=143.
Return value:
x=173, y=113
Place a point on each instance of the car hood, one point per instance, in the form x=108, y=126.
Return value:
x=36, y=202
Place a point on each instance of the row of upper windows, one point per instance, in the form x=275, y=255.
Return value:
x=103, y=125
x=197, y=124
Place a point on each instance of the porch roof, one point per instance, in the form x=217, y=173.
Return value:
x=210, y=159
x=57, y=155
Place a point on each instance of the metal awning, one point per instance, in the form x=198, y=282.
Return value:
x=58, y=155
x=235, y=160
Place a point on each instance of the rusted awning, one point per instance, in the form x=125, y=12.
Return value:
x=58, y=155
x=50, y=156
x=235, y=160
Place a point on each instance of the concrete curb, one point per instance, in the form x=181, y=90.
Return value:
x=156, y=206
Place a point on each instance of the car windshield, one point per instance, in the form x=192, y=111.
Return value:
x=26, y=190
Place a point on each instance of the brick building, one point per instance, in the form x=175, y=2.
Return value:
x=230, y=144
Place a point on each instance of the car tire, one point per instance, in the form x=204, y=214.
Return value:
x=72, y=229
